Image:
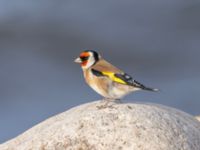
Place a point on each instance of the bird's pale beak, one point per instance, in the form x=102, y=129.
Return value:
x=78, y=60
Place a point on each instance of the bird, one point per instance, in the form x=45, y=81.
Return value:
x=106, y=79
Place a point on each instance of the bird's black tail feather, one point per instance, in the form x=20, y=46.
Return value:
x=141, y=86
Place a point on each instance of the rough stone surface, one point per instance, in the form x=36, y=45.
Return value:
x=116, y=127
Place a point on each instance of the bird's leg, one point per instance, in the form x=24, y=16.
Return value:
x=105, y=102
x=105, y=99
x=118, y=101
x=108, y=101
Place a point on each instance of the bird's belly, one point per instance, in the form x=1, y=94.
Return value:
x=111, y=91
x=118, y=93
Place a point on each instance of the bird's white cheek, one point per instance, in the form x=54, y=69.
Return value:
x=89, y=63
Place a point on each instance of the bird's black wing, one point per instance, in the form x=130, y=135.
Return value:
x=129, y=81
x=122, y=78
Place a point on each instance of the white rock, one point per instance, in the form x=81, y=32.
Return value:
x=117, y=127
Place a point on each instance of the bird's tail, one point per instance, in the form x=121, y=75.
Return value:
x=143, y=87
x=150, y=89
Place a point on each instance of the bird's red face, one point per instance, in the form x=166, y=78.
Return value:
x=87, y=58
x=83, y=59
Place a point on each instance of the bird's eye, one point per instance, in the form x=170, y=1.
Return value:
x=84, y=58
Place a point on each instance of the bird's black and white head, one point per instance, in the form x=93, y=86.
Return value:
x=88, y=58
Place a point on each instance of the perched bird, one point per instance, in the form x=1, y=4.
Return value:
x=106, y=79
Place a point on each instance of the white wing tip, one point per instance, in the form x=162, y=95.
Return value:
x=156, y=90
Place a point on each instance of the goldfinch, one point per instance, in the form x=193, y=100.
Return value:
x=106, y=79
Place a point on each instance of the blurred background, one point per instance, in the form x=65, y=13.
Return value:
x=156, y=41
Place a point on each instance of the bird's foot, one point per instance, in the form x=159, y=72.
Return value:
x=118, y=101
x=108, y=103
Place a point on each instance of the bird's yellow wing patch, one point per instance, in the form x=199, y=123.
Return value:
x=119, y=78
x=112, y=76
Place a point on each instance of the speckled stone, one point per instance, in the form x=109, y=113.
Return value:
x=135, y=126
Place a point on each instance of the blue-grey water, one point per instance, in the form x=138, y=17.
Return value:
x=158, y=42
